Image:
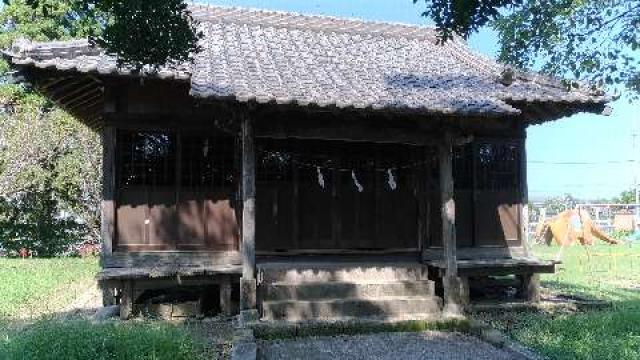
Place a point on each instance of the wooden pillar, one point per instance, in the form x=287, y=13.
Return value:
x=524, y=195
x=108, y=204
x=248, y=281
x=225, y=297
x=126, y=300
x=451, y=282
x=530, y=287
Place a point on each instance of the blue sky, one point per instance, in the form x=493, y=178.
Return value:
x=596, y=147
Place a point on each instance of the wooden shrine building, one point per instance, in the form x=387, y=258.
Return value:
x=318, y=167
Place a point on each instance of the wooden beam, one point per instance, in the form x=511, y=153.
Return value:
x=248, y=282
x=108, y=212
x=451, y=282
x=350, y=133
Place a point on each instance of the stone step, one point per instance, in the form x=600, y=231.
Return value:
x=353, y=273
x=335, y=290
x=341, y=309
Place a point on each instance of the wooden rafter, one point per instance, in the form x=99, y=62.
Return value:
x=79, y=90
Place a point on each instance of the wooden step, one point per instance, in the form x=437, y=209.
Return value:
x=337, y=290
x=350, y=273
x=341, y=309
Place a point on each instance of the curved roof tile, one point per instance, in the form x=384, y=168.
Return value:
x=269, y=56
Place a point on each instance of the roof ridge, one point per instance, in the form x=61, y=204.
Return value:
x=314, y=22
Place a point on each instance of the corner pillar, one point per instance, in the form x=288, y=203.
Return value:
x=248, y=281
x=107, y=203
x=452, y=284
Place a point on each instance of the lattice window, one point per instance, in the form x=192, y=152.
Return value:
x=274, y=161
x=463, y=167
x=206, y=161
x=497, y=165
x=146, y=158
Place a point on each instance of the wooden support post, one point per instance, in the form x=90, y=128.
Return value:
x=225, y=297
x=530, y=287
x=524, y=196
x=126, y=300
x=450, y=281
x=108, y=204
x=465, y=290
x=295, y=217
x=248, y=281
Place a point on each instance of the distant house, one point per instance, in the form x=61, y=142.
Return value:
x=326, y=168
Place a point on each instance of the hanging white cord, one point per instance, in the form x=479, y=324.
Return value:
x=320, y=177
x=391, y=180
x=356, y=182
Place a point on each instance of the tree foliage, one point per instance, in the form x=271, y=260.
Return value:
x=593, y=40
x=139, y=32
x=559, y=204
x=148, y=32
x=49, y=162
x=625, y=197
x=463, y=17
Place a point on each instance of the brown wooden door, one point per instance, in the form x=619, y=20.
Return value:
x=322, y=195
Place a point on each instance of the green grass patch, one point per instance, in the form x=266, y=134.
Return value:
x=288, y=331
x=35, y=285
x=602, y=272
x=82, y=340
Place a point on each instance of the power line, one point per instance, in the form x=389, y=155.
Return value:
x=580, y=162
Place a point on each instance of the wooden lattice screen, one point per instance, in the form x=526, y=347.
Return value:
x=328, y=195
x=487, y=183
x=175, y=191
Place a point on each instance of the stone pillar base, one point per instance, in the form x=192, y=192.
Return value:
x=456, y=295
x=248, y=317
x=530, y=287
x=248, y=289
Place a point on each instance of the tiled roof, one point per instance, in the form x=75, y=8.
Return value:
x=286, y=58
x=81, y=56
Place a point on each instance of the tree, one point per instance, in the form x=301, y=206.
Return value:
x=592, y=40
x=49, y=162
x=559, y=204
x=625, y=197
x=139, y=32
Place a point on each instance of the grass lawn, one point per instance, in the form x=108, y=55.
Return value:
x=81, y=339
x=36, y=286
x=610, y=273
x=33, y=292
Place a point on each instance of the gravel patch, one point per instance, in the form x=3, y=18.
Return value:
x=392, y=346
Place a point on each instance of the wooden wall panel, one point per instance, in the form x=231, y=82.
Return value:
x=131, y=214
x=170, y=199
x=162, y=219
x=497, y=219
x=222, y=226
x=315, y=213
x=397, y=219
x=191, y=220
x=464, y=218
